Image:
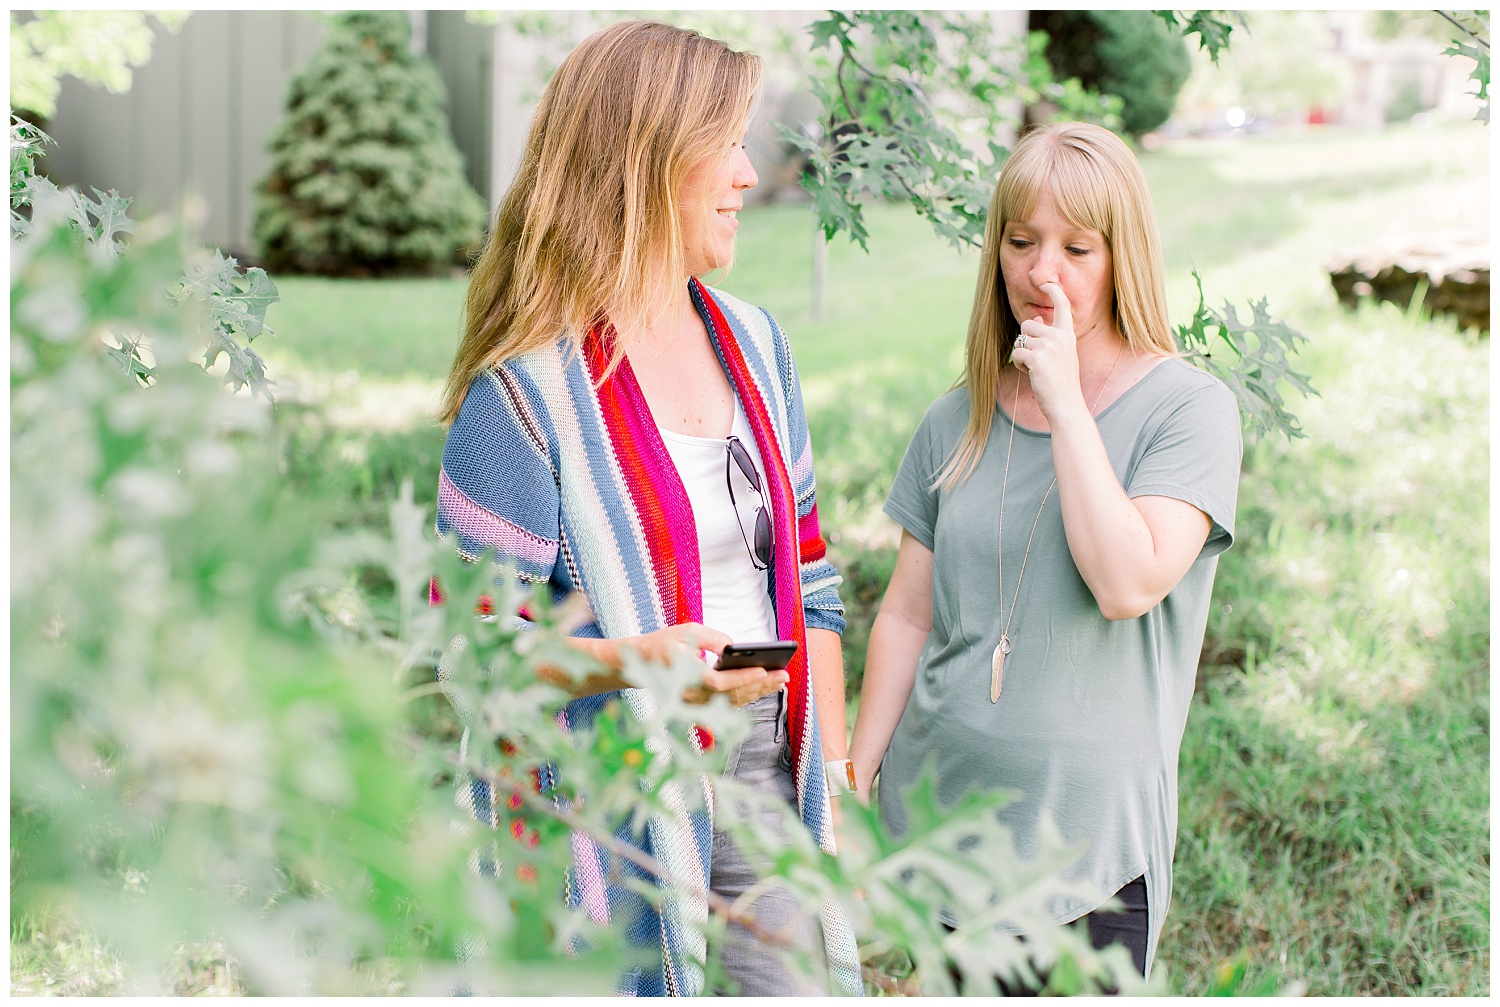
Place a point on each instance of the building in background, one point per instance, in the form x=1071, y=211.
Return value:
x=1397, y=79
x=1295, y=68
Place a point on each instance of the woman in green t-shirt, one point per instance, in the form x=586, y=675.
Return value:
x=1042, y=626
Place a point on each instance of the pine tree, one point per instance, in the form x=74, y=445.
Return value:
x=365, y=178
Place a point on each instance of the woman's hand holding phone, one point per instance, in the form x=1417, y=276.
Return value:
x=742, y=685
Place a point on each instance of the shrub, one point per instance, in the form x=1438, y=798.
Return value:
x=1128, y=53
x=365, y=178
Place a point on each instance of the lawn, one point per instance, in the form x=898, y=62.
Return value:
x=1335, y=773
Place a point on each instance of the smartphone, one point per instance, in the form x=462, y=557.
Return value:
x=774, y=655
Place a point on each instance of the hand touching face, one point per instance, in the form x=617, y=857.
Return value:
x=1047, y=248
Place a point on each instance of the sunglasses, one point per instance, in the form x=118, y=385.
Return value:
x=760, y=552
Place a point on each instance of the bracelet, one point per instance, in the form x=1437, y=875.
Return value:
x=839, y=777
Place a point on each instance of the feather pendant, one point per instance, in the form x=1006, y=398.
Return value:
x=997, y=667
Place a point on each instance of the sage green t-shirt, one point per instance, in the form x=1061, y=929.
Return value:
x=1091, y=713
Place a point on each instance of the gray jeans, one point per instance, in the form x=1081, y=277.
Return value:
x=763, y=762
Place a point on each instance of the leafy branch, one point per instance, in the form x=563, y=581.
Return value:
x=911, y=101
x=236, y=304
x=1212, y=30
x=232, y=302
x=716, y=902
x=1260, y=360
x=1474, y=43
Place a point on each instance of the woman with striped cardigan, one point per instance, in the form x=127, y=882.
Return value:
x=621, y=430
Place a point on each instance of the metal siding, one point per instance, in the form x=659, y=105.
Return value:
x=484, y=163
x=92, y=148
x=157, y=103
x=184, y=110
x=461, y=52
x=211, y=117
x=199, y=114
x=63, y=161
x=308, y=32
x=235, y=180
x=262, y=91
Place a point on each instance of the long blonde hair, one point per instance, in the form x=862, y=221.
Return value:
x=1096, y=182
x=590, y=226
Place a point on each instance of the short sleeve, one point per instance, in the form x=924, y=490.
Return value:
x=496, y=489
x=1194, y=456
x=913, y=502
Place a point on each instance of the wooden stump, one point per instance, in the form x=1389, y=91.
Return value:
x=1456, y=271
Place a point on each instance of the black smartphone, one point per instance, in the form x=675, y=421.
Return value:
x=774, y=655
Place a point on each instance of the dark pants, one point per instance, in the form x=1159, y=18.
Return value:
x=1127, y=926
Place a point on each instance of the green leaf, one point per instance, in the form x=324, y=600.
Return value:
x=256, y=292
x=834, y=26
x=233, y=319
x=1477, y=50
x=211, y=274
x=1213, y=31
x=126, y=353
x=1261, y=365
x=111, y=220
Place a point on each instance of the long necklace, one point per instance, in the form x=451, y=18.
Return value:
x=997, y=660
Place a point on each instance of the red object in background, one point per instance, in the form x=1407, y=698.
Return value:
x=1316, y=116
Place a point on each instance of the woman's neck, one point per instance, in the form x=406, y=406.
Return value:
x=664, y=316
x=678, y=370
x=1098, y=348
x=671, y=317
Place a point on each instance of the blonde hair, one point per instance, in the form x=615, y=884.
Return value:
x=1097, y=183
x=590, y=226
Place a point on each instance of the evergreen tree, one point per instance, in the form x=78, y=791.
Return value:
x=365, y=178
x=1128, y=53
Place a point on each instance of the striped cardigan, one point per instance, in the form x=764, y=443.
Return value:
x=569, y=479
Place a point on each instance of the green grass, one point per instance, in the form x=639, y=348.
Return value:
x=1334, y=773
x=377, y=328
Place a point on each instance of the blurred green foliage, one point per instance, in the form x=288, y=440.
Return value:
x=99, y=47
x=365, y=178
x=1131, y=54
x=231, y=303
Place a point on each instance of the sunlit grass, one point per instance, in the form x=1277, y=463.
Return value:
x=1335, y=785
x=390, y=329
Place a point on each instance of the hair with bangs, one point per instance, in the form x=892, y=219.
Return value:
x=590, y=226
x=1097, y=183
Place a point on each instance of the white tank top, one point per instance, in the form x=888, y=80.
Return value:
x=736, y=598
